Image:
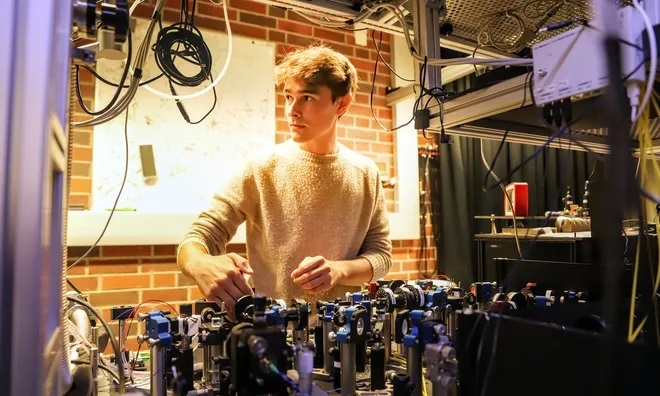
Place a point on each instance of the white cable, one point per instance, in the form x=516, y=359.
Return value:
x=134, y=6
x=654, y=57
x=364, y=15
x=508, y=199
x=140, y=58
x=414, y=52
x=217, y=79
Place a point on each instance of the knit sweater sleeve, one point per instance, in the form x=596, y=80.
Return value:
x=377, y=247
x=230, y=207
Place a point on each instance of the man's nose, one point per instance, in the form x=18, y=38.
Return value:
x=294, y=109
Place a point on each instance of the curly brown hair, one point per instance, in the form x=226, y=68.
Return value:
x=318, y=65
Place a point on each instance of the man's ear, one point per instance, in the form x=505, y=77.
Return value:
x=344, y=102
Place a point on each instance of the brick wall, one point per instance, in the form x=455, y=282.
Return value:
x=129, y=274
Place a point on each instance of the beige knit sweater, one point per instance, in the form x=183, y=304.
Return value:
x=298, y=204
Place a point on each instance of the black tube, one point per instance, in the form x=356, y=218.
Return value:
x=319, y=350
x=377, y=367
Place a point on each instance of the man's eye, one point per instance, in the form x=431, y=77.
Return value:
x=288, y=98
x=308, y=98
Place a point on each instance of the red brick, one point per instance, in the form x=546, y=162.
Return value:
x=84, y=283
x=400, y=254
x=194, y=294
x=294, y=27
x=362, y=147
x=79, y=184
x=112, y=266
x=185, y=281
x=78, y=251
x=82, y=154
x=277, y=12
x=248, y=5
x=164, y=280
x=412, y=265
x=362, y=53
x=164, y=266
x=168, y=295
x=125, y=282
x=362, y=64
x=281, y=137
x=384, y=136
x=79, y=269
x=344, y=49
x=111, y=298
x=362, y=122
x=249, y=31
x=282, y=126
x=360, y=110
x=276, y=36
x=363, y=135
x=257, y=20
x=385, y=113
x=301, y=41
x=164, y=250
x=202, y=21
x=213, y=10
x=327, y=34
x=126, y=251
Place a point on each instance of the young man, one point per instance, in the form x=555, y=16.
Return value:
x=316, y=217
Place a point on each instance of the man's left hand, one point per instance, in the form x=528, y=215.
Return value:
x=316, y=274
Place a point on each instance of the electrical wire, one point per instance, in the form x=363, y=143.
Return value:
x=114, y=205
x=653, y=47
x=377, y=47
x=115, y=96
x=195, y=51
x=113, y=341
x=105, y=81
x=136, y=74
x=218, y=77
x=506, y=195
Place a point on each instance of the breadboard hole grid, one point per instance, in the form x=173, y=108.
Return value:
x=500, y=23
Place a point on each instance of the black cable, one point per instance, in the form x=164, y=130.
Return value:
x=183, y=34
x=73, y=286
x=506, y=133
x=124, y=74
x=114, y=206
x=103, y=80
x=113, y=341
x=377, y=46
x=183, y=111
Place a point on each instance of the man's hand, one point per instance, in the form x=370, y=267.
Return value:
x=222, y=279
x=316, y=274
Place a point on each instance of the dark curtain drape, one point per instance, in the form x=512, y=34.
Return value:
x=458, y=174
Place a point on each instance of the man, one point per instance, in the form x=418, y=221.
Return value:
x=316, y=220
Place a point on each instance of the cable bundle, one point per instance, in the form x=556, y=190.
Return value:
x=183, y=41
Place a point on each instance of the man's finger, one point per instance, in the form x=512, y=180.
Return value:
x=241, y=284
x=320, y=288
x=227, y=299
x=306, y=277
x=241, y=263
x=310, y=285
x=306, y=266
x=232, y=289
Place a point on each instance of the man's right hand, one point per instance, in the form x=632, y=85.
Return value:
x=221, y=278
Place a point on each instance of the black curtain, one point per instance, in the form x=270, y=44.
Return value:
x=458, y=176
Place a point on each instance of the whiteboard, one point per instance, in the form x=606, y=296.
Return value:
x=191, y=161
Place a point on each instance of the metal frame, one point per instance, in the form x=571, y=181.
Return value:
x=33, y=83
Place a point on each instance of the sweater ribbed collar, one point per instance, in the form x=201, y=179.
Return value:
x=312, y=157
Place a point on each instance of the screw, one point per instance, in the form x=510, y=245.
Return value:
x=542, y=72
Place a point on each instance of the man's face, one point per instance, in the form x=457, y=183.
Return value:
x=311, y=113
